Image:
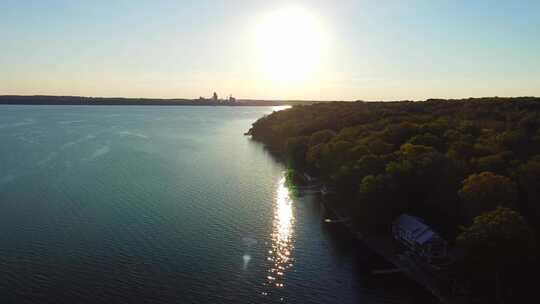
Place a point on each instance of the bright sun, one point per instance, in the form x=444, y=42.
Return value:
x=290, y=43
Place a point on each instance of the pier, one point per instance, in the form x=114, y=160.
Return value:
x=433, y=280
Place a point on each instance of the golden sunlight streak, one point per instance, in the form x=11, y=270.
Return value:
x=282, y=236
x=280, y=108
x=290, y=45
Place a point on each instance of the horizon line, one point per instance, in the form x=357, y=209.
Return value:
x=258, y=99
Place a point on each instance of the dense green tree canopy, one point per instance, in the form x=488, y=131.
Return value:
x=497, y=238
x=482, y=149
x=455, y=163
x=485, y=191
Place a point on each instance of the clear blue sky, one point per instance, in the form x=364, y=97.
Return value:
x=386, y=49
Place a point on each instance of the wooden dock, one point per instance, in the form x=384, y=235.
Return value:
x=386, y=247
x=387, y=271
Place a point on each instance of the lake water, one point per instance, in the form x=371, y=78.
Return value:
x=127, y=204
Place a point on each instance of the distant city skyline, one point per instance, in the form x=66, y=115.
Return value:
x=274, y=50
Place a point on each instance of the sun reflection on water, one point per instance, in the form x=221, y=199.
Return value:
x=280, y=108
x=280, y=254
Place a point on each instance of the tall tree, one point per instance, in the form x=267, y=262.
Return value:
x=485, y=191
x=495, y=241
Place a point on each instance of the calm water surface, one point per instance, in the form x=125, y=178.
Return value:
x=161, y=205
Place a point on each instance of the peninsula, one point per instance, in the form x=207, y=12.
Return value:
x=462, y=175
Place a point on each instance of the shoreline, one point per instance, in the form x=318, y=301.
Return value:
x=121, y=101
x=381, y=245
x=161, y=104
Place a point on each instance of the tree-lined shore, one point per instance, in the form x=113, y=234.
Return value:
x=470, y=168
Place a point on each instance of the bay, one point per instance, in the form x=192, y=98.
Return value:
x=129, y=204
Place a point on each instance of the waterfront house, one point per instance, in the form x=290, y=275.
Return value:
x=419, y=238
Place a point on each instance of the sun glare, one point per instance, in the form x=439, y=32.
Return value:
x=290, y=45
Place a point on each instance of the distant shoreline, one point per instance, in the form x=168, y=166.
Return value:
x=121, y=101
x=128, y=101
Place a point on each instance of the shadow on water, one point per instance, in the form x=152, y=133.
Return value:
x=392, y=288
x=365, y=261
x=265, y=150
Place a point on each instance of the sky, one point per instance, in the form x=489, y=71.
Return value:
x=311, y=50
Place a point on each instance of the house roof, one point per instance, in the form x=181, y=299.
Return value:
x=420, y=232
x=425, y=236
x=411, y=223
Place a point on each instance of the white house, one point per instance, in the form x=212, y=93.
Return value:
x=418, y=237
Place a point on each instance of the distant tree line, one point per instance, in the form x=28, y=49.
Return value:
x=81, y=100
x=470, y=168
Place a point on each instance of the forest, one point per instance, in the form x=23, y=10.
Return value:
x=470, y=168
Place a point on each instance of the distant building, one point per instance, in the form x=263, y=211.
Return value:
x=418, y=237
x=231, y=98
x=215, y=97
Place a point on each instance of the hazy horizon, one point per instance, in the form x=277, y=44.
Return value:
x=299, y=50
